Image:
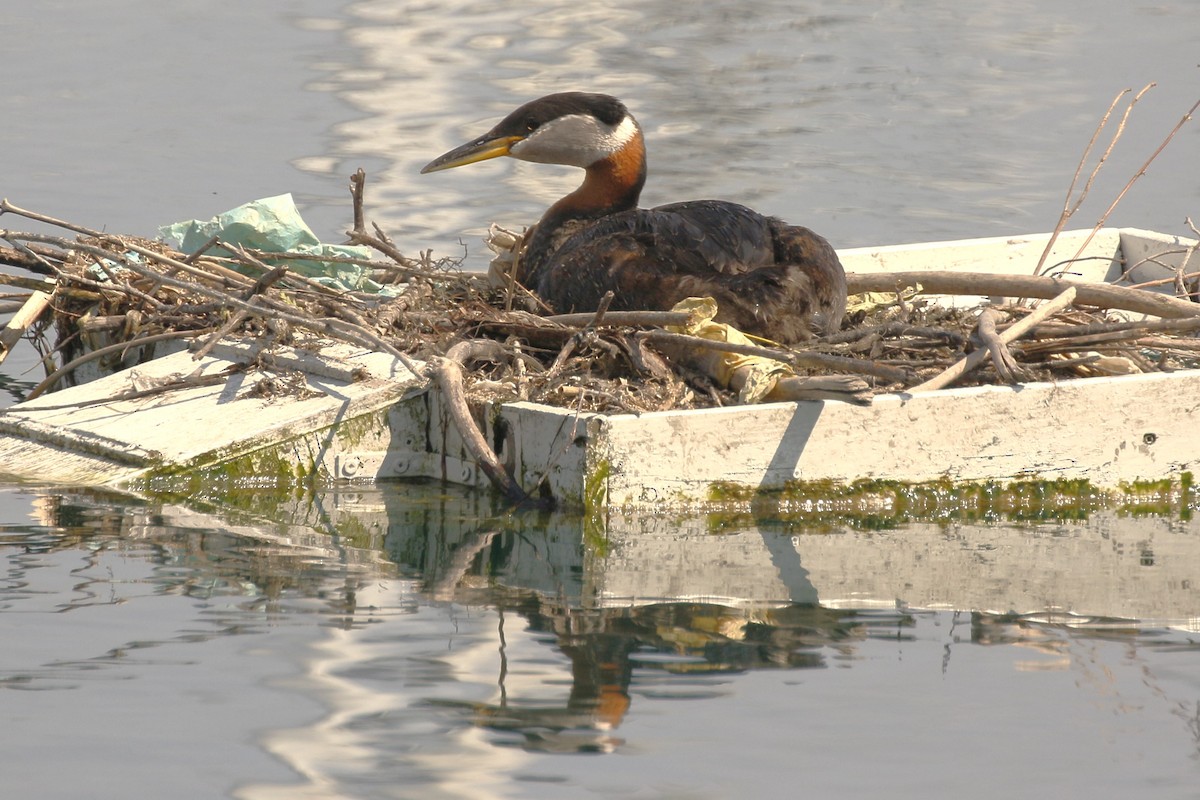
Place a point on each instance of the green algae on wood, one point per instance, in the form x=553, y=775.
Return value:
x=885, y=503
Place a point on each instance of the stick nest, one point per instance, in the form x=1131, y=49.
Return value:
x=122, y=290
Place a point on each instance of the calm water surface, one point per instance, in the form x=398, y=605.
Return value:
x=395, y=643
x=391, y=644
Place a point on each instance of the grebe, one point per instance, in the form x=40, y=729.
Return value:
x=770, y=279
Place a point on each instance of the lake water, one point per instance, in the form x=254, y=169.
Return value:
x=403, y=642
x=397, y=643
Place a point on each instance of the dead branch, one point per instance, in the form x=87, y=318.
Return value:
x=1003, y=361
x=100, y=352
x=448, y=372
x=1141, y=171
x=1070, y=208
x=631, y=319
x=358, y=185
x=975, y=358
x=1100, y=295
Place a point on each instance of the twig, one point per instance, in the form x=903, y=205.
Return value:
x=54, y=377
x=267, y=280
x=25, y=257
x=1118, y=329
x=895, y=329
x=36, y=258
x=601, y=309
x=8, y=208
x=1068, y=208
x=448, y=372
x=116, y=284
x=597, y=318
x=358, y=184
x=329, y=327
x=1141, y=171
x=272, y=275
x=24, y=282
x=387, y=248
x=976, y=357
x=617, y=319
x=238, y=317
x=191, y=257
x=1037, y=286
x=189, y=382
x=1006, y=366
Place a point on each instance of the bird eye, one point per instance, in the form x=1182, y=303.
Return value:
x=531, y=124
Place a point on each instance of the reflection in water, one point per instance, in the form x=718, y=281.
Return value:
x=459, y=655
x=605, y=647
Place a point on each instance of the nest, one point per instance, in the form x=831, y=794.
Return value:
x=112, y=293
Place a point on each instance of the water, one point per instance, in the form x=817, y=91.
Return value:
x=392, y=644
x=395, y=643
x=874, y=122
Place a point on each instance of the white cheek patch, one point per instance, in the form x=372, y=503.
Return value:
x=624, y=132
x=577, y=140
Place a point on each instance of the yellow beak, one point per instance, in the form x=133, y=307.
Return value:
x=481, y=149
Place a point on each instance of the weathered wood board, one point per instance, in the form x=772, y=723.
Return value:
x=83, y=436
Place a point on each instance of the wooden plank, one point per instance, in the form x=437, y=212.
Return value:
x=84, y=435
x=1107, y=430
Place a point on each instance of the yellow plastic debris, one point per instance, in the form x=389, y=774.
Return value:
x=756, y=375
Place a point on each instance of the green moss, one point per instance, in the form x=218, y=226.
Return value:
x=1163, y=486
x=352, y=433
x=289, y=463
x=1155, y=498
x=595, y=508
x=595, y=488
x=882, y=504
x=280, y=467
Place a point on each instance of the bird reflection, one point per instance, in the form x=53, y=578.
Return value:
x=615, y=653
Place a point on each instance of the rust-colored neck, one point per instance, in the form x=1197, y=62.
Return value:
x=611, y=185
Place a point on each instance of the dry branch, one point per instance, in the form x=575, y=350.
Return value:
x=1100, y=295
x=448, y=372
x=26, y=316
x=977, y=357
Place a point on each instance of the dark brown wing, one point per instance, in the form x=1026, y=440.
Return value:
x=770, y=279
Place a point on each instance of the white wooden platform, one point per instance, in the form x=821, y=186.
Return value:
x=82, y=436
x=1105, y=430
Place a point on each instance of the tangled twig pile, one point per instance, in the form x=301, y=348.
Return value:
x=135, y=291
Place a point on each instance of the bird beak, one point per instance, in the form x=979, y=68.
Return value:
x=483, y=148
